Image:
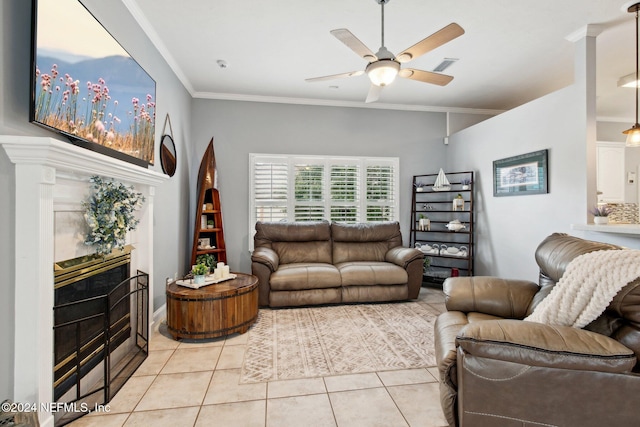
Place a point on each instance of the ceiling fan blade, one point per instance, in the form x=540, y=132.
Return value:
x=425, y=76
x=353, y=43
x=374, y=93
x=335, y=76
x=435, y=40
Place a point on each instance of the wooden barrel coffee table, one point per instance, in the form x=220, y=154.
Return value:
x=212, y=311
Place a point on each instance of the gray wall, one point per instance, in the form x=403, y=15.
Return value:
x=509, y=229
x=170, y=219
x=240, y=128
x=460, y=121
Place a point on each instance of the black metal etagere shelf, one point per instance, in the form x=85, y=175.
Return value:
x=448, y=252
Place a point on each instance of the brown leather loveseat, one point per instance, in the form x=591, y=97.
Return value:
x=308, y=263
x=497, y=370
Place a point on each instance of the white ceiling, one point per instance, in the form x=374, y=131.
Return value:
x=512, y=51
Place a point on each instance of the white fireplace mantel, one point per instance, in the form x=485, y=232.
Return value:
x=41, y=164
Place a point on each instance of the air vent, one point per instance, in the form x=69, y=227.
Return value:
x=446, y=63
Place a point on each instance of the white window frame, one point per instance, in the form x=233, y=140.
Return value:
x=327, y=162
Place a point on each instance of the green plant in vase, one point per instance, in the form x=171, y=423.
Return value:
x=199, y=271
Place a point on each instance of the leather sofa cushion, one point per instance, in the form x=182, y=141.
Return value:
x=296, y=242
x=364, y=242
x=367, y=232
x=296, y=252
x=350, y=251
x=492, y=295
x=267, y=232
x=621, y=319
x=554, y=253
x=535, y=344
x=303, y=276
x=447, y=326
x=306, y=297
x=374, y=293
x=626, y=303
x=371, y=273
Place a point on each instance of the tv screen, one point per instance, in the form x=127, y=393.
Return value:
x=87, y=87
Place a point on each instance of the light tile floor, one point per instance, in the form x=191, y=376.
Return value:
x=198, y=384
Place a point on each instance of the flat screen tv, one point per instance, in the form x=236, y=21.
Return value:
x=85, y=86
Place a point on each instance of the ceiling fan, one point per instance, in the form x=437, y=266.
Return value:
x=383, y=67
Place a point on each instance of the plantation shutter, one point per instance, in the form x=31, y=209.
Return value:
x=381, y=193
x=309, y=192
x=270, y=184
x=313, y=188
x=345, y=193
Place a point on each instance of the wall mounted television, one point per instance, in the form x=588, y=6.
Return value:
x=85, y=86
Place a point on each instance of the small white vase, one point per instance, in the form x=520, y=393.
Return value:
x=198, y=279
x=601, y=220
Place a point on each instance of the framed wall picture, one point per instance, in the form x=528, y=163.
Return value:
x=521, y=175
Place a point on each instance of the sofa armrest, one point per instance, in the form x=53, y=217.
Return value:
x=537, y=344
x=264, y=262
x=403, y=256
x=507, y=298
x=266, y=256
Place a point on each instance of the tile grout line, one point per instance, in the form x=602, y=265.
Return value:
x=244, y=343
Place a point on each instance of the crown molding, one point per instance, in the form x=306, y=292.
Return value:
x=347, y=104
x=141, y=19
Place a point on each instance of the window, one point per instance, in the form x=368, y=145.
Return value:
x=312, y=188
x=269, y=191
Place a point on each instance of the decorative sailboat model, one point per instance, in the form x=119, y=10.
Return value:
x=442, y=183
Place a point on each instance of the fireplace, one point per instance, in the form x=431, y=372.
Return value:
x=86, y=320
x=51, y=178
x=99, y=327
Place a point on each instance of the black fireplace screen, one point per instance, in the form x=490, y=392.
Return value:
x=100, y=334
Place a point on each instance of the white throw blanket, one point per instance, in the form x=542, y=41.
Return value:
x=587, y=287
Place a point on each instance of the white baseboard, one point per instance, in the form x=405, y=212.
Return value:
x=159, y=315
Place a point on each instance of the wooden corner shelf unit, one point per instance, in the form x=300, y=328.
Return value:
x=208, y=212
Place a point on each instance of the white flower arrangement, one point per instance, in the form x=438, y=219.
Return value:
x=109, y=213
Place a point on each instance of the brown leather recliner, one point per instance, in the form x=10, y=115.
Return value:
x=497, y=370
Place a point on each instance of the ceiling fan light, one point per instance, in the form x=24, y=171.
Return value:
x=383, y=72
x=633, y=136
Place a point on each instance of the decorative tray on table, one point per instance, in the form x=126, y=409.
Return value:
x=208, y=280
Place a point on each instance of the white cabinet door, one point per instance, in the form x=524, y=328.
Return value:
x=610, y=171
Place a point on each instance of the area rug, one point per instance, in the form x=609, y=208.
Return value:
x=333, y=340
